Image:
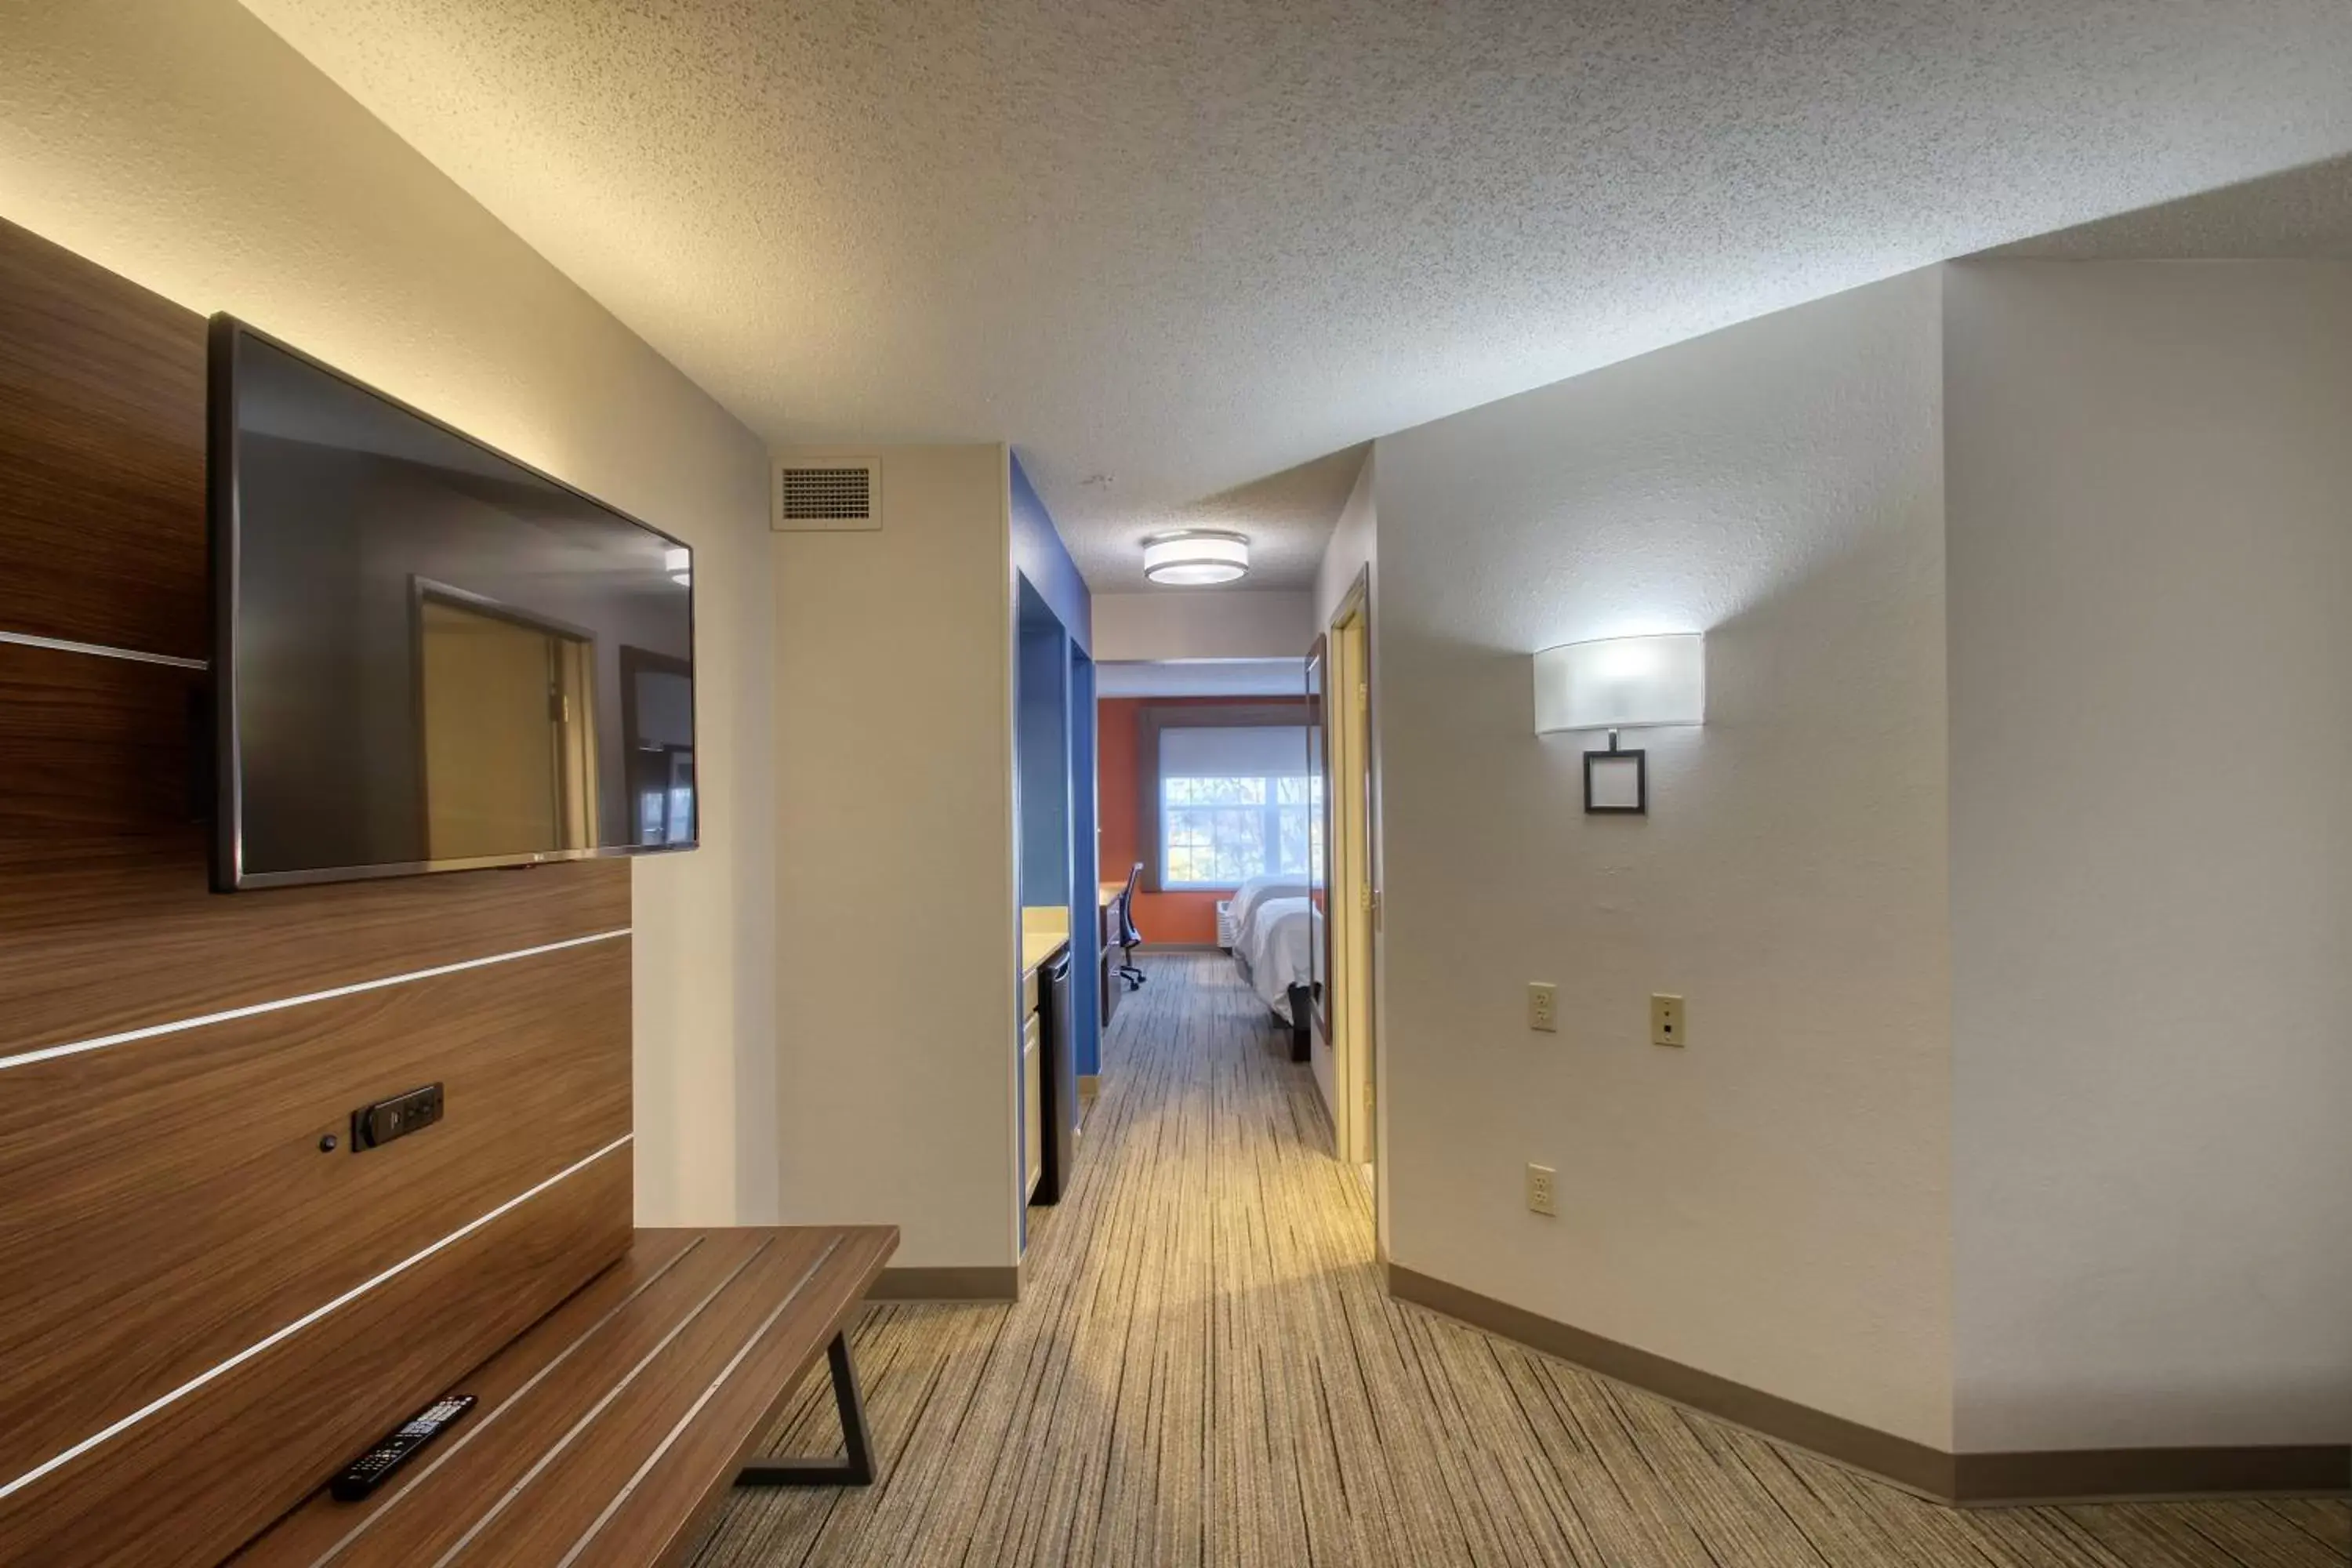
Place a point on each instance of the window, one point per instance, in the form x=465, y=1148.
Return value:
x=1236, y=804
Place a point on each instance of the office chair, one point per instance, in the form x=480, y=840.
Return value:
x=1129, y=938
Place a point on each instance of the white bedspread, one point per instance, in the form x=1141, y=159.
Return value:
x=1277, y=951
x=1251, y=896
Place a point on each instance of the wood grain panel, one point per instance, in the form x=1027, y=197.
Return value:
x=96, y=747
x=114, y=936
x=106, y=922
x=189, y=1485
x=102, y=456
x=179, y=1180
x=162, y=1201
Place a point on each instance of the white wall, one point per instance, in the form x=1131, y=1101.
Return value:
x=1203, y=623
x=2151, y=675
x=1203, y=677
x=1354, y=545
x=896, y=960
x=181, y=143
x=1770, y=1204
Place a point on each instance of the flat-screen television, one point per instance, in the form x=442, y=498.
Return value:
x=428, y=656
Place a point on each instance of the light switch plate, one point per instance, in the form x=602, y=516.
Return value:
x=1666, y=1021
x=1543, y=1006
x=1543, y=1196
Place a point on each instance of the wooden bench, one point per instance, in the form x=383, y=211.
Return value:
x=610, y=1431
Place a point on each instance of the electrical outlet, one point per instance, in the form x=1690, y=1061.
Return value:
x=1541, y=1197
x=1667, y=1022
x=1543, y=1006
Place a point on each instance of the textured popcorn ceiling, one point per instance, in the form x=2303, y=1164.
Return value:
x=1288, y=516
x=1169, y=249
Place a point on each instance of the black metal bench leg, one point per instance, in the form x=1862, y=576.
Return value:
x=856, y=1469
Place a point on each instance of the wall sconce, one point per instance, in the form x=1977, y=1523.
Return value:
x=1620, y=683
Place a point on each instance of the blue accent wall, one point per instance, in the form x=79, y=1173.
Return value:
x=1054, y=756
x=1041, y=742
x=1040, y=556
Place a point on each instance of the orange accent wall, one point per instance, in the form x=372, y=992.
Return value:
x=1189, y=917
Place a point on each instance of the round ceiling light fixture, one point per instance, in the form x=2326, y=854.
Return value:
x=1196, y=557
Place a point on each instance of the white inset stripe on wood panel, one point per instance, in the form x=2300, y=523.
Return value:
x=297, y=1325
x=103, y=651
x=149, y=1031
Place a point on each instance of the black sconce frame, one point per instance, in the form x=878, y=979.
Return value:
x=1641, y=760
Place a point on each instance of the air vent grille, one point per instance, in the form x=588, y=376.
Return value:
x=827, y=494
x=823, y=494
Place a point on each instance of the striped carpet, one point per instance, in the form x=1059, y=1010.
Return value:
x=1206, y=1370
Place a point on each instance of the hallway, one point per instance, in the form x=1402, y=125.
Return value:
x=1206, y=1370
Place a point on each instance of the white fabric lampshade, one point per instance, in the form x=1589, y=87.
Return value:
x=1621, y=683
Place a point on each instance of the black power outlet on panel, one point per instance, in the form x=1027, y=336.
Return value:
x=373, y=1126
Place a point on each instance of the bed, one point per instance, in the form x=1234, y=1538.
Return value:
x=1252, y=894
x=1275, y=929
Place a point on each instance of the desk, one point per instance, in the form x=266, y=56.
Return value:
x=1106, y=905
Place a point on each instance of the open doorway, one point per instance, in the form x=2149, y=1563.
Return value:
x=1339, y=675
x=507, y=705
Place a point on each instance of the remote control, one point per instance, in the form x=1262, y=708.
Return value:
x=366, y=1473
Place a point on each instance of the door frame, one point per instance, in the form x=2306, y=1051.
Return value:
x=1350, y=1014
x=574, y=796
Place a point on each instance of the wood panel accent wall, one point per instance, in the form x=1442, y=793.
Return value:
x=202, y=1313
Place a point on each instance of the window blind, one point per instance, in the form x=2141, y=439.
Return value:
x=1257, y=750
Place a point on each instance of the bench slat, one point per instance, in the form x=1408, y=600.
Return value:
x=699, y=1466
x=564, y=1500
x=314, y=1531
x=444, y=1509
x=623, y=1416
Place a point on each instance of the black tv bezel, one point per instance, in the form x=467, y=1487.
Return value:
x=222, y=525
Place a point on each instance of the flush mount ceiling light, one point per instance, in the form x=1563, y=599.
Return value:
x=1196, y=557
x=679, y=565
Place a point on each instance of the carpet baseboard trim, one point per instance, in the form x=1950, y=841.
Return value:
x=966, y=1284
x=1968, y=1481
x=1915, y=1467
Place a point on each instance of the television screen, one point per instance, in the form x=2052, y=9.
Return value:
x=427, y=657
